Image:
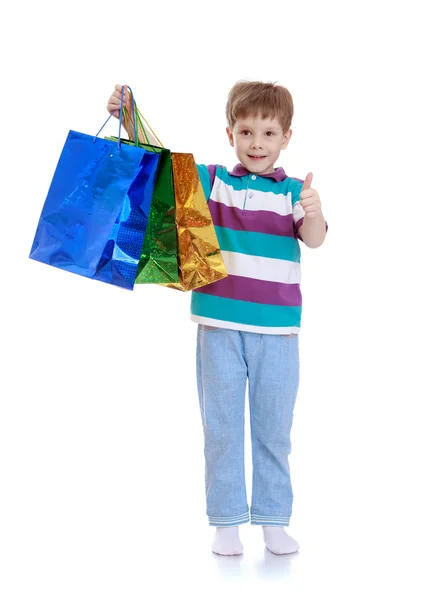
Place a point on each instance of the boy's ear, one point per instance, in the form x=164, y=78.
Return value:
x=286, y=139
x=230, y=136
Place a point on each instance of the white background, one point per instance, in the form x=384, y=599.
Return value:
x=101, y=448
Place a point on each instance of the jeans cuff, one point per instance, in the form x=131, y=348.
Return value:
x=229, y=521
x=257, y=519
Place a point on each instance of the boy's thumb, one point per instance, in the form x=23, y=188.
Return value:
x=307, y=182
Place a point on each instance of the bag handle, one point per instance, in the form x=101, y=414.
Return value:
x=136, y=119
x=140, y=118
x=120, y=120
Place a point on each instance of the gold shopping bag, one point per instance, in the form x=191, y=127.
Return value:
x=200, y=260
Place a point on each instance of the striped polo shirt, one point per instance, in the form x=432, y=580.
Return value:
x=257, y=220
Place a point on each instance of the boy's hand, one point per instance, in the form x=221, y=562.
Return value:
x=114, y=103
x=309, y=199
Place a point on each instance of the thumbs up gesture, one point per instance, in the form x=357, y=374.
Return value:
x=309, y=199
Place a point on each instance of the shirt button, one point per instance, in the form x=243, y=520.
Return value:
x=250, y=195
x=254, y=177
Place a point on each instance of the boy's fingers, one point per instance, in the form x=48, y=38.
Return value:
x=125, y=99
x=119, y=87
x=114, y=102
x=118, y=94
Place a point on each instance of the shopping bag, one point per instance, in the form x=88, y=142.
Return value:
x=159, y=256
x=94, y=219
x=200, y=260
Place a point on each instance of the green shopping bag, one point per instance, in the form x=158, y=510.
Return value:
x=158, y=260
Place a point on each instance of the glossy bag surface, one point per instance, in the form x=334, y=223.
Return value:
x=200, y=260
x=94, y=218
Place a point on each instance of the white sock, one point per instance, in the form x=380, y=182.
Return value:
x=278, y=541
x=226, y=541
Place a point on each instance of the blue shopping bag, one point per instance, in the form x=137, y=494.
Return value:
x=94, y=218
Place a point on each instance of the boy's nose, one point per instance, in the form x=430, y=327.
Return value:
x=256, y=143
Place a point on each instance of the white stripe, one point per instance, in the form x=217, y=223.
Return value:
x=260, y=267
x=243, y=327
x=298, y=211
x=265, y=521
x=278, y=203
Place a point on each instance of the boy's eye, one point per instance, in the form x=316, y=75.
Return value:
x=269, y=133
x=245, y=132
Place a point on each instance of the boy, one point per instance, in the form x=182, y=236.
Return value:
x=248, y=323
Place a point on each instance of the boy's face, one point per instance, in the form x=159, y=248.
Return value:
x=258, y=142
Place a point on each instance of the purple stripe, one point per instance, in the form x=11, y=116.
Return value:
x=258, y=221
x=255, y=290
x=297, y=227
x=212, y=173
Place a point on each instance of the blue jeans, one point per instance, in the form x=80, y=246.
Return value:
x=226, y=360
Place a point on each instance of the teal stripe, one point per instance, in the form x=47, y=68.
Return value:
x=247, y=313
x=262, y=184
x=258, y=244
x=204, y=176
x=296, y=190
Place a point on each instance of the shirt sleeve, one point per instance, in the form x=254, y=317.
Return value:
x=298, y=211
x=207, y=174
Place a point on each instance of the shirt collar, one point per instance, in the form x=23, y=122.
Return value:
x=239, y=170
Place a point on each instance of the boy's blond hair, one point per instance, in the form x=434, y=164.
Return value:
x=255, y=97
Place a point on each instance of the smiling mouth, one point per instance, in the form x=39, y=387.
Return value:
x=255, y=157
